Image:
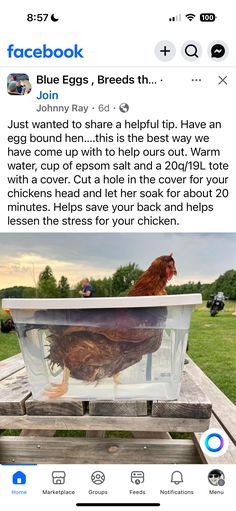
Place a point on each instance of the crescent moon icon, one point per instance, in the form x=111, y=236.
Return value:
x=53, y=18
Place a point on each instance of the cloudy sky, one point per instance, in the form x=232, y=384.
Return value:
x=198, y=256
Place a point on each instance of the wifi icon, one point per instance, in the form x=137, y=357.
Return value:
x=190, y=17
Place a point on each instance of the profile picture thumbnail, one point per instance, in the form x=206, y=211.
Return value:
x=18, y=84
x=216, y=477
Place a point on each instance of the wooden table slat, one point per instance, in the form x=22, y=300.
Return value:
x=11, y=365
x=52, y=407
x=88, y=422
x=118, y=408
x=83, y=450
x=192, y=402
x=14, y=391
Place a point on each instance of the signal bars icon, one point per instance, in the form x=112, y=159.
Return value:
x=175, y=18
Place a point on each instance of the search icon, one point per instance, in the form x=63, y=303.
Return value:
x=191, y=50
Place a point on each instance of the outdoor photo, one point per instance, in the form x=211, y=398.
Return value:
x=117, y=338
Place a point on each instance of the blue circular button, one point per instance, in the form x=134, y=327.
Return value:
x=214, y=435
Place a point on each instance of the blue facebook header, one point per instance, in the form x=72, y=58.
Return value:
x=44, y=52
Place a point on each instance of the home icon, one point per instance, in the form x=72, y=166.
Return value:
x=19, y=478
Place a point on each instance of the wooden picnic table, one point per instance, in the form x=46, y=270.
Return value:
x=201, y=405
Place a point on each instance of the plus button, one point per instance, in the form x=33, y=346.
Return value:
x=165, y=51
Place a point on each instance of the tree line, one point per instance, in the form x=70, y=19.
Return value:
x=116, y=285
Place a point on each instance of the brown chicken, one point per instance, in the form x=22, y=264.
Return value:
x=102, y=343
x=153, y=281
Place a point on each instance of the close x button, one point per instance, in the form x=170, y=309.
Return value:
x=223, y=80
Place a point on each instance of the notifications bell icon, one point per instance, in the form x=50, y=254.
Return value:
x=176, y=477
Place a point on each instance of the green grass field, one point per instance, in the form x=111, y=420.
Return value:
x=212, y=345
x=8, y=342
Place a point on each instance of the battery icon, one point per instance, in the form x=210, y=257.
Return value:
x=207, y=16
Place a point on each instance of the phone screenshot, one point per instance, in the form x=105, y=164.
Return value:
x=118, y=255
